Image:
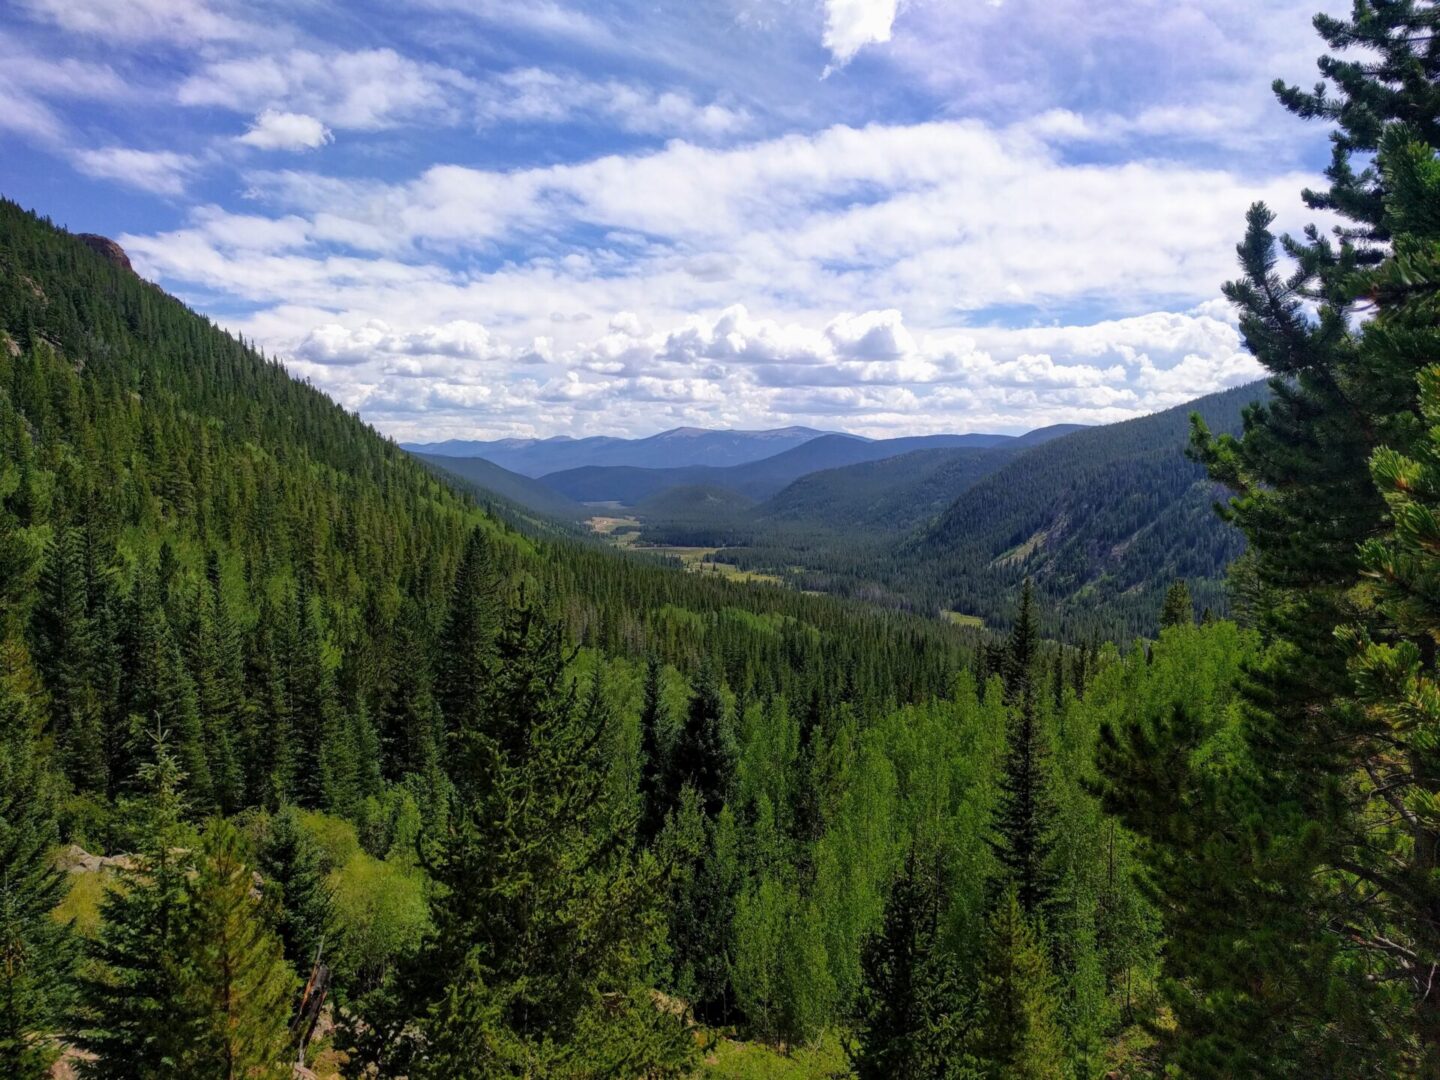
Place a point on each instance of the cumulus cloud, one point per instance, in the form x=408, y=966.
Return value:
x=276, y=130
x=161, y=172
x=850, y=25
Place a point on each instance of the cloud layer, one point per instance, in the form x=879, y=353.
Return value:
x=480, y=216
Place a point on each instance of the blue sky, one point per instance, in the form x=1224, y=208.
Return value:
x=477, y=218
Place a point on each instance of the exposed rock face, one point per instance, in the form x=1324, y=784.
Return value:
x=107, y=248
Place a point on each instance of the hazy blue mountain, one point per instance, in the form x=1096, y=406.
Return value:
x=669, y=449
x=485, y=477
x=755, y=479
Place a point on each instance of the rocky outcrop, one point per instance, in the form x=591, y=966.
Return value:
x=107, y=248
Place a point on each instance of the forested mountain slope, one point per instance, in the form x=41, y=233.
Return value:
x=756, y=479
x=487, y=478
x=1102, y=520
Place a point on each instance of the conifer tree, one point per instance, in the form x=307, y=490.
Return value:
x=542, y=908
x=1017, y=1035
x=653, y=721
x=1307, y=873
x=302, y=903
x=135, y=1022
x=703, y=756
x=1022, y=831
x=37, y=952
x=1179, y=609
x=913, y=1014
x=64, y=651
x=237, y=985
x=466, y=650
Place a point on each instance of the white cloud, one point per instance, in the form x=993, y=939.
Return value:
x=365, y=90
x=276, y=130
x=162, y=172
x=850, y=25
x=633, y=271
x=141, y=20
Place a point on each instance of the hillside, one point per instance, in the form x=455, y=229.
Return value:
x=1102, y=520
x=487, y=479
x=894, y=494
x=755, y=480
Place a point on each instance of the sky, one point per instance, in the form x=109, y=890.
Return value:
x=491, y=218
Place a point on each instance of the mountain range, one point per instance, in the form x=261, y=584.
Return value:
x=1101, y=518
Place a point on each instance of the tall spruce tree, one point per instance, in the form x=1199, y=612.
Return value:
x=37, y=952
x=913, y=1013
x=653, y=722
x=1023, y=829
x=237, y=986
x=466, y=650
x=135, y=1022
x=703, y=756
x=1302, y=871
x=1017, y=1034
x=543, y=913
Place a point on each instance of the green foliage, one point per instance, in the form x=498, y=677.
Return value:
x=37, y=952
x=237, y=985
x=1017, y=1036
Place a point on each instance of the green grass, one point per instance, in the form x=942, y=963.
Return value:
x=961, y=619
x=82, y=901
x=732, y=1060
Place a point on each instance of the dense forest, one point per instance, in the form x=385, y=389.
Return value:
x=311, y=762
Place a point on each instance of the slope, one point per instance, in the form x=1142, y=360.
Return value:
x=486, y=478
x=756, y=479
x=1102, y=520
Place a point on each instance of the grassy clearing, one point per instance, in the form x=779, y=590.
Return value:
x=959, y=618
x=732, y=1060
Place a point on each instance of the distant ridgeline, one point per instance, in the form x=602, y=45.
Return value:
x=1101, y=518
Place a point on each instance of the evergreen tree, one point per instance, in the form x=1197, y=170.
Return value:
x=542, y=909
x=703, y=757
x=64, y=649
x=302, y=903
x=135, y=1020
x=1017, y=1036
x=1306, y=868
x=653, y=721
x=237, y=985
x=1179, y=609
x=1022, y=831
x=913, y=1015
x=37, y=952
x=466, y=650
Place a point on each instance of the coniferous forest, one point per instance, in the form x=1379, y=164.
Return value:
x=313, y=762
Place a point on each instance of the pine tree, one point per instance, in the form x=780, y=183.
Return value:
x=1023, y=830
x=913, y=1013
x=135, y=1022
x=1305, y=866
x=237, y=985
x=703, y=756
x=37, y=953
x=302, y=902
x=1017, y=1036
x=64, y=649
x=653, y=721
x=542, y=909
x=1179, y=609
x=466, y=650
